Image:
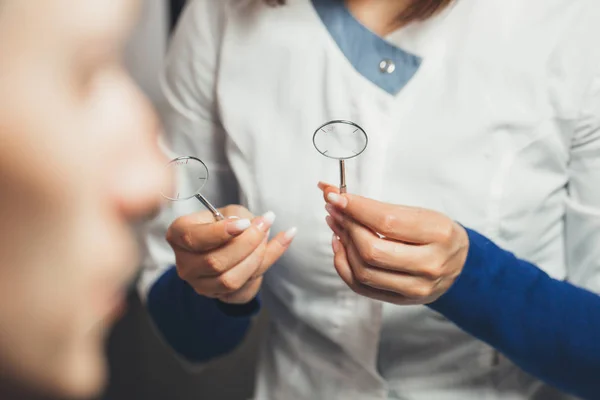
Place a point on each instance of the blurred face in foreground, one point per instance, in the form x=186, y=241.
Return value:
x=78, y=165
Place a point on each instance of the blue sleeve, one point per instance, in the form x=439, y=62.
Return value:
x=196, y=327
x=548, y=327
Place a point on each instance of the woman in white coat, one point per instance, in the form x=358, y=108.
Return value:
x=485, y=112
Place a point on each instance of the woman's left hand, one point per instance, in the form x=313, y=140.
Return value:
x=397, y=254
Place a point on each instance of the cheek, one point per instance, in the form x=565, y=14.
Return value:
x=117, y=116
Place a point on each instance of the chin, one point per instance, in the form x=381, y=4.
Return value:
x=85, y=374
x=89, y=383
x=86, y=382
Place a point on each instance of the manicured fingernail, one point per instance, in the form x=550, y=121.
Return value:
x=331, y=224
x=337, y=200
x=334, y=213
x=289, y=235
x=335, y=243
x=266, y=221
x=238, y=226
x=269, y=217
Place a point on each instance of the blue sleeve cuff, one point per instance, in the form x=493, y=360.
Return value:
x=198, y=328
x=470, y=276
x=249, y=309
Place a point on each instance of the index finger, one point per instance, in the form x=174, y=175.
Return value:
x=199, y=232
x=397, y=222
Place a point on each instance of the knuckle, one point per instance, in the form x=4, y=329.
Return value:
x=213, y=264
x=178, y=232
x=230, y=283
x=169, y=236
x=388, y=223
x=256, y=237
x=371, y=252
x=421, y=291
x=363, y=275
x=430, y=272
x=432, y=269
x=187, y=239
x=368, y=254
x=445, y=231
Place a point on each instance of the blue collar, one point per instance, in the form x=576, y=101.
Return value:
x=382, y=63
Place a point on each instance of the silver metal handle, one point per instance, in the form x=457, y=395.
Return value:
x=218, y=216
x=342, y=176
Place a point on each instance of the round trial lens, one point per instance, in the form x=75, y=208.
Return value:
x=189, y=175
x=340, y=140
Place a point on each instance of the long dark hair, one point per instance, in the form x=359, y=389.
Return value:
x=417, y=10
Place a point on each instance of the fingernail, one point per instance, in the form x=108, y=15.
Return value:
x=237, y=226
x=331, y=224
x=336, y=199
x=334, y=213
x=289, y=235
x=266, y=221
x=269, y=217
x=335, y=243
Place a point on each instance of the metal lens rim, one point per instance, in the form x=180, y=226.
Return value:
x=168, y=165
x=341, y=121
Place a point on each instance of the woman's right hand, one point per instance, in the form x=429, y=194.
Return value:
x=226, y=259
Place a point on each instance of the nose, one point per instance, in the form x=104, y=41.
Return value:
x=139, y=191
x=142, y=178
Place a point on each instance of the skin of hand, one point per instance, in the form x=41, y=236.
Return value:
x=226, y=260
x=393, y=253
